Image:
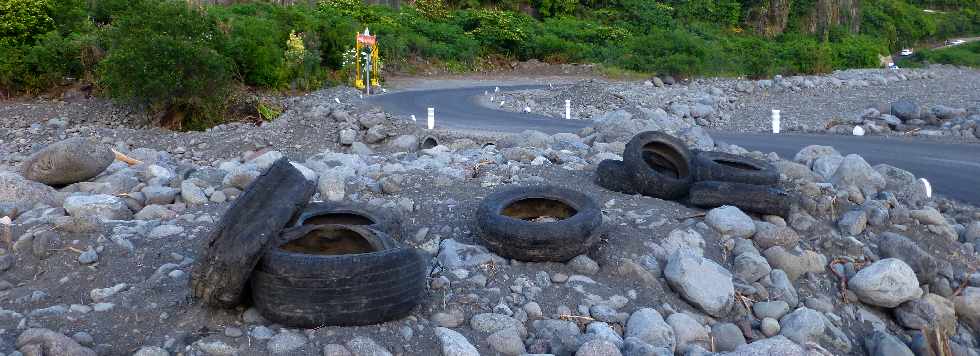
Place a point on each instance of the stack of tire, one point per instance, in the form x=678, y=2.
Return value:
x=659, y=165
x=339, y=263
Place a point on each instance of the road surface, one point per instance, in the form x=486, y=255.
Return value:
x=952, y=169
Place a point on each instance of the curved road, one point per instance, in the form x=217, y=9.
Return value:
x=953, y=169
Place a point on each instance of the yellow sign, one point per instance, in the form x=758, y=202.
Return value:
x=371, y=42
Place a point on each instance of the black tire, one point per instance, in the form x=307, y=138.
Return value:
x=428, y=141
x=611, y=174
x=242, y=236
x=351, y=213
x=308, y=291
x=749, y=197
x=659, y=165
x=726, y=167
x=505, y=230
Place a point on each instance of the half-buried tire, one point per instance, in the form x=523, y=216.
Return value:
x=338, y=275
x=749, y=197
x=243, y=234
x=350, y=213
x=611, y=174
x=726, y=167
x=659, y=165
x=540, y=223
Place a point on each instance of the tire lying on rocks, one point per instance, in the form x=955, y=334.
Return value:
x=726, y=167
x=659, y=165
x=428, y=141
x=350, y=213
x=236, y=243
x=611, y=174
x=749, y=197
x=540, y=223
x=338, y=275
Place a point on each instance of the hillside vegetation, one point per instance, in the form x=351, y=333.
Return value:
x=170, y=56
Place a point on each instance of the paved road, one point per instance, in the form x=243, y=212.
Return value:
x=953, y=169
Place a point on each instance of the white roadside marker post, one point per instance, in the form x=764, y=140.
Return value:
x=928, y=187
x=496, y=89
x=337, y=100
x=502, y=103
x=432, y=118
x=775, y=121
x=568, y=109
x=413, y=118
x=858, y=131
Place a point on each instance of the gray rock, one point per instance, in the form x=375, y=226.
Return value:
x=216, y=348
x=450, y=318
x=730, y=221
x=925, y=266
x=931, y=312
x=562, y=336
x=155, y=212
x=365, y=346
x=928, y=216
x=347, y=136
x=285, y=342
x=376, y=134
x=802, y=325
x=768, y=235
x=88, y=257
x=727, y=336
x=697, y=137
x=902, y=183
x=701, y=282
x=751, y=267
x=47, y=342
x=605, y=313
x=335, y=350
x=151, y=351
x=25, y=194
x=774, y=346
x=454, y=343
x=405, y=143
x=240, y=176
x=769, y=327
x=855, y=172
x=782, y=289
x=635, y=347
x=159, y=195
x=507, y=341
x=371, y=119
x=686, y=239
x=65, y=162
x=809, y=154
x=796, y=172
x=795, y=262
x=359, y=148
x=192, y=194
x=885, y=283
x=773, y=309
x=601, y=330
x=905, y=109
x=584, y=265
x=598, y=347
x=649, y=326
x=967, y=307
x=853, y=222
x=687, y=331
x=101, y=206
x=266, y=160
x=489, y=323
x=881, y=343
x=972, y=232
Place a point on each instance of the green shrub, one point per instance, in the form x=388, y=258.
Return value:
x=964, y=55
x=674, y=52
x=167, y=55
x=857, y=52
x=22, y=21
x=497, y=31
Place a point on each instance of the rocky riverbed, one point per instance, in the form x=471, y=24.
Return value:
x=867, y=264
x=806, y=103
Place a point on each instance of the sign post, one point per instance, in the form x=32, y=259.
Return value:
x=369, y=77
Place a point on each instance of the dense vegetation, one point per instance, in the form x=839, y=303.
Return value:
x=964, y=55
x=170, y=56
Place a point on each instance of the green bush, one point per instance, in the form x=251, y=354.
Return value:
x=857, y=52
x=674, y=52
x=168, y=56
x=497, y=31
x=964, y=55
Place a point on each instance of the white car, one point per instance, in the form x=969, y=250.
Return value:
x=956, y=42
x=907, y=52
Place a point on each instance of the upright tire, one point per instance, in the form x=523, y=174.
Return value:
x=238, y=241
x=540, y=223
x=612, y=175
x=726, y=167
x=308, y=290
x=350, y=213
x=659, y=165
x=749, y=197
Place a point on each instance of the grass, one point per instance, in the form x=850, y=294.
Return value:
x=964, y=55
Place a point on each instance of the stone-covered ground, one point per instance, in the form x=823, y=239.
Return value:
x=100, y=265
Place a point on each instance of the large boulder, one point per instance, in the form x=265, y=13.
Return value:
x=925, y=266
x=802, y=325
x=886, y=283
x=730, y=221
x=902, y=183
x=649, y=326
x=101, y=206
x=17, y=191
x=905, y=109
x=929, y=312
x=70, y=161
x=702, y=282
x=854, y=171
x=811, y=153
x=967, y=307
x=774, y=346
x=46, y=342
